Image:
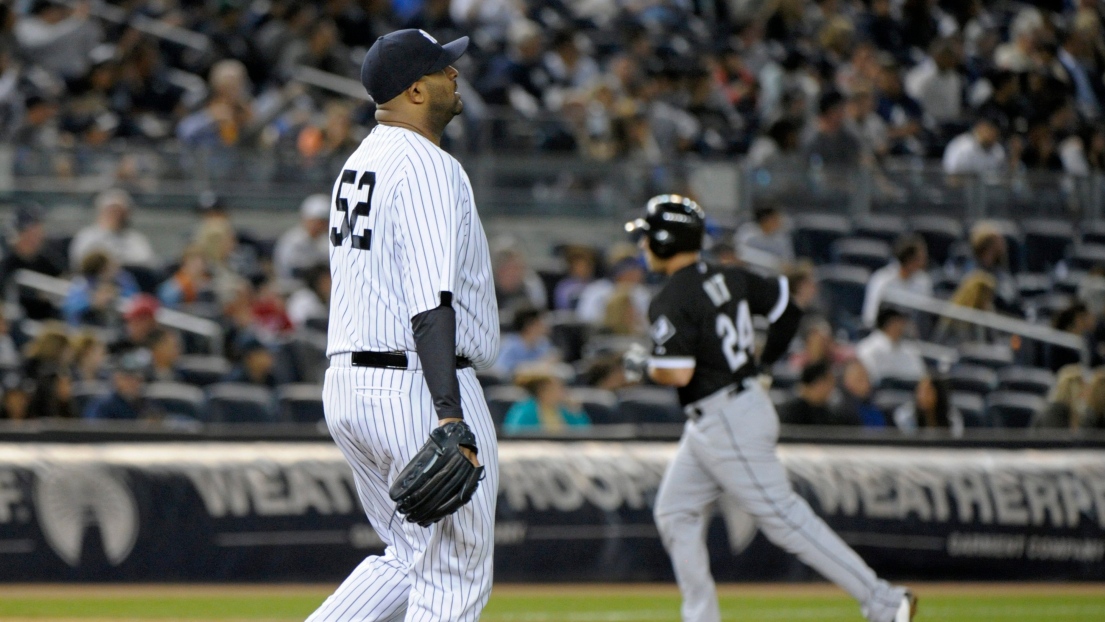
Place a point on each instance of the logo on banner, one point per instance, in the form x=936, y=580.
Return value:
x=68, y=501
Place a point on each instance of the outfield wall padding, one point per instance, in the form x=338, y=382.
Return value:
x=567, y=512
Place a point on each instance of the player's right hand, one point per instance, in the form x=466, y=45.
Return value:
x=635, y=363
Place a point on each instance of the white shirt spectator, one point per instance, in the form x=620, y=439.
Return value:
x=882, y=357
x=964, y=155
x=940, y=93
x=594, y=297
x=889, y=278
x=305, y=305
x=61, y=47
x=750, y=237
x=308, y=243
x=112, y=234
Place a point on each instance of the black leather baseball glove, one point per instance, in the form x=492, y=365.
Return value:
x=439, y=479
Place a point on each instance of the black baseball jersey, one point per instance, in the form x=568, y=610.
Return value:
x=702, y=318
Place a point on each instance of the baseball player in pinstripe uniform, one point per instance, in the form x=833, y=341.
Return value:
x=703, y=343
x=413, y=313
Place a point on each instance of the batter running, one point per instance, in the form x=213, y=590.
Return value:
x=413, y=312
x=703, y=343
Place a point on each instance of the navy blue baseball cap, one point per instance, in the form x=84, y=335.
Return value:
x=399, y=59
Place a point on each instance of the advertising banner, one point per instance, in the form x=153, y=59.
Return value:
x=566, y=512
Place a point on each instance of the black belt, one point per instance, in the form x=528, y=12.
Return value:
x=392, y=360
x=694, y=412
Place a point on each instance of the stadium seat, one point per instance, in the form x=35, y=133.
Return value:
x=1014, y=241
x=568, y=334
x=321, y=324
x=883, y=227
x=491, y=378
x=993, y=356
x=1045, y=242
x=843, y=289
x=599, y=404
x=236, y=402
x=308, y=350
x=783, y=376
x=148, y=279
x=863, y=252
x=176, y=399
x=940, y=233
x=649, y=404
x=888, y=400
x=1031, y=285
x=501, y=398
x=1012, y=409
x=976, y=379
x=973, y=409
x=1070, y=283
x=1088, y=257
x=85, y=392
x=1093, y=232
x=300, y=403
x=202, y=370
x=901, y=384
x=1033, y=380
x=814, y=234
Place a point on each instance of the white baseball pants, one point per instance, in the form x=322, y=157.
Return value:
x=380, y=418
x=731, y=450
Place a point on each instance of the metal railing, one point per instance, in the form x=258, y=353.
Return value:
x=57, y=289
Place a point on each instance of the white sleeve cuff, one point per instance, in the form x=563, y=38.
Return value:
x=781, y=304
x=671, y=362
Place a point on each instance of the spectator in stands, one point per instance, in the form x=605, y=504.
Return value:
x=605, y=372
x=527, y=343
x=1094, y=417
x=1066, y=401
x=112, y=234
x=1076, y=320
x=975, y=292
x=863, y=122
x=256, y=364
x=89, y=357
x=517, y=77
x=990, y=253
x=777, y=147
x=811, y=405
x=626, y=274
x=308, y=243
x=516, y=286
x=1077, y=57
x=139, y=323
x=95, y=293
x=165, y=350
x=883, y=352
x=903, y=115
x=907, y=272
x=16, y=400
x=581, y=271
x=621, y=316
x=313, y=301
x=931, y=408
x=854, y=397
x=217, y=241
x=937, y=84
x=818, y=345
x=10, y=358
x=227, y=119
x=723, y=254
x=802, y=283
x=766, y=239
x=190, y=284
x=828, y=144
x=53, y=395
x=50, y=349
x=58, y=37
x=128, y=382
x=320, y=49
x=26, y=251
x=1019, y=54
x=976, y=152
x=548, y=410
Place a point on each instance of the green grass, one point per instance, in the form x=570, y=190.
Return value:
x=593, y=604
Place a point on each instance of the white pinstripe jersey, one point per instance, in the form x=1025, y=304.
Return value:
x=403, y=230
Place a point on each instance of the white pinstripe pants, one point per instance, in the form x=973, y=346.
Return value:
x=731, y=450
x=380, y=418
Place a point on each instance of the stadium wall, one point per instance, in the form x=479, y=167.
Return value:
x=567, y=512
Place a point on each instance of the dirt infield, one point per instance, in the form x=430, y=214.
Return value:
x=155, y=590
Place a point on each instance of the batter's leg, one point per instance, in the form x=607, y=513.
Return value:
x=683, y=510
x=378, y=589
x=451, y=573
x=742, y=448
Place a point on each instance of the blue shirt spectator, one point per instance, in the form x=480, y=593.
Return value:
x=127, y=386
x=93, y=296
x=548, y=410
x=529, y=343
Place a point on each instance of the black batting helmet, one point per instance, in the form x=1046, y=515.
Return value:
x=672, y=223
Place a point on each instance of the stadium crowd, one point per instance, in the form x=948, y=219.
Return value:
x=983, y=84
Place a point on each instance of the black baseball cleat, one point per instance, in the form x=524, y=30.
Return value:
x=907, y=609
